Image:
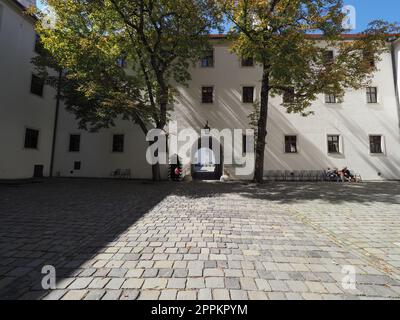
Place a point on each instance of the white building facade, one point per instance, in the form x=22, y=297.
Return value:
x=361, y=132
x=27, y=107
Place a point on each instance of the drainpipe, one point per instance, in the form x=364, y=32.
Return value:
x=53, y=146
x=396, y=81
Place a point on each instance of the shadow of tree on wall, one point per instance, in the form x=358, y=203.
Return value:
x=64, y=224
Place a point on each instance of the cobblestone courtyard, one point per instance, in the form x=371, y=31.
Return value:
x=133, y=240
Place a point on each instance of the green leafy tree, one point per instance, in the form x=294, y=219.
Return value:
x=122, y=57
x=281, y=36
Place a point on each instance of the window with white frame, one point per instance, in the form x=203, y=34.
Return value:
x=372, y=95
x=333, y=143
x=331, y=98
x=291, y=144
x=376, y=144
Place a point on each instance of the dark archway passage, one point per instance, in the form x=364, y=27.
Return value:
x=206, y=163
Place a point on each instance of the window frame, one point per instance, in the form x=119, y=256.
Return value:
x=113, y=149
x=69, y=142
x=253, y=94
x=212, y=94
x=369, y=95
x=204, y=56
x=382, y=145
x=37, y=142
x=339, y=141
x=77, y=165
x=33, y=75
x=328, y=99
x=285, y=150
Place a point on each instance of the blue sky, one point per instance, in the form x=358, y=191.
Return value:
x=369, y=10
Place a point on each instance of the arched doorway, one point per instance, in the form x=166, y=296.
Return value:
x=206, y=164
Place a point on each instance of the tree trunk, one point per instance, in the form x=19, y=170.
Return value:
x=262, y=128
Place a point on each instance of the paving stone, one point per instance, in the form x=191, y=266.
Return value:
x=232, y=283
x=220, y=294
x=215, y=282
x=156, y=283
x=99, y=283
x=74, y=295
x=133, y=283
x=187, y=295
x=176, y=283
x=112, y=295
x=257, y=295
x=248, y=284
x=205, y=294
x=55, y=295
x=239, y=295
x=279, y=286
x=180, y=273
x=115, y=284
x=80, y=283
x=134, y=273
x=213, y=273
x=297, y=286
x=95, y=295
x=149, y=295
x=129, y=295
x=168, y=294
x=195, y=283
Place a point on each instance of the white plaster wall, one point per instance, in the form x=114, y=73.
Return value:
x=18, y=107
x=353, y=119
x=98, y=160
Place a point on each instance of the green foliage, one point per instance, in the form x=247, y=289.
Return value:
x=158, y=38
x=281, y=35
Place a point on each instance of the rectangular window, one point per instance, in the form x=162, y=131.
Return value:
x=290, y=144
x=37, y=85
x=329, y=57
x=375, y=143
x=330, y=98
x=74, y=142
x=31, y=138
x=333, y=144
x=207, y=95
x=247, y=62
x=208, y=59
x=77, y=165
x=288, y=95
x=118, y=143
x=372, y=95
x=248, y=94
